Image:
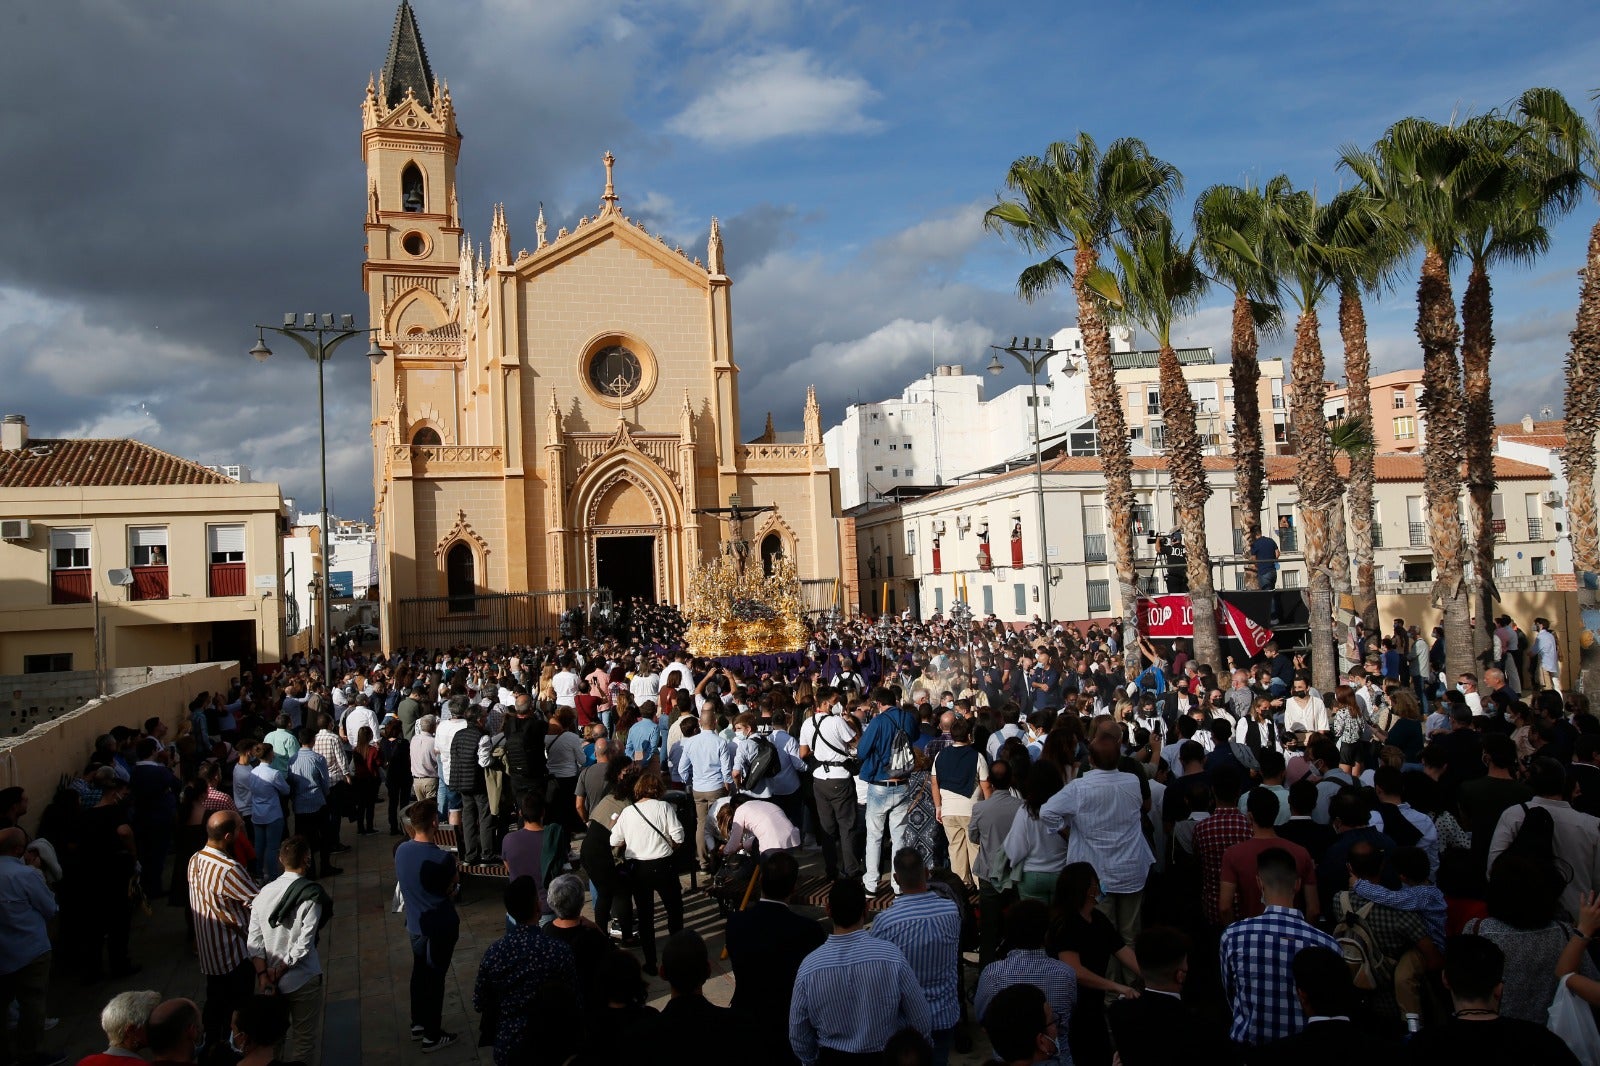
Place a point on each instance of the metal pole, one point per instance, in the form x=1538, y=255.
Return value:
x=1038, y=484
x=327, y=586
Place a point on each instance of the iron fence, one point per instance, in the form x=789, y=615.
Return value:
x=496, y=617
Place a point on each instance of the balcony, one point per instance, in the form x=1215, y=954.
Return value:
x=1419, y=534
x=1535, y=529
x=1288, y=539
x=1377, y=534
x=1497, y=526
x=226, y=579
x=149, y=583
x=72, y=586
x=1099, y=596
x=1094, y=548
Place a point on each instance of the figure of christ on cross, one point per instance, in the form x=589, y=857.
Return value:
x=736, y=516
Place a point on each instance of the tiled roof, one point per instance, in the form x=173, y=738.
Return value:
x=44, y=463
x=407, y=65
x=1280, y=469
x=1555, y=427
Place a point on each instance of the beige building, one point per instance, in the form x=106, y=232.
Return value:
x=551, y=418
x=1211, y=387
x=1398, y=423
x=978, y=541
x=184, y=561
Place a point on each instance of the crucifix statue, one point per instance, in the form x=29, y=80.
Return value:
x=736, y=515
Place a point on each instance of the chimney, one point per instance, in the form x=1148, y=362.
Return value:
x=14, y=433
x=1527, y=423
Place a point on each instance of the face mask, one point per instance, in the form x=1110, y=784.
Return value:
x=233, y=1043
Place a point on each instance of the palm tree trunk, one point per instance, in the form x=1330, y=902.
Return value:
x=1111, y=427
x=1578, y=456
x=1317, y=484
x=1190, y=490
x=1249, y=464
x=1363, y=473
x=1438, y=332
x=1477, y=345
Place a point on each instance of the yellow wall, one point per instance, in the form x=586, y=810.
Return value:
x=1561, y=608
x=37, y=759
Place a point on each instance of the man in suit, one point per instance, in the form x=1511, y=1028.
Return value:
x=1144, y=1029
x=766, y=944
x=1328, y=998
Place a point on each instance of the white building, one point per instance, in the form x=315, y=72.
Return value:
x=945, y=427
x=352, y=564
x=233, y=472
x=979, y=541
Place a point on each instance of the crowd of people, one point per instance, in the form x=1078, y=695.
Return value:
x=1209, y=858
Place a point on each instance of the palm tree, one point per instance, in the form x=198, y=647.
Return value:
x=1301, y=239
x=1508, y=229
x=1231, y=224
x=1158, y=281
x=1435, y=177
x=1367, y=248
x=1073, y=201
x=1571, y=140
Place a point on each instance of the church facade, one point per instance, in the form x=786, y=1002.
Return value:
x=552, y=417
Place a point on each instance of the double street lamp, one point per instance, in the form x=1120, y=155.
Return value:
x=1033, y=353
x=318, y=337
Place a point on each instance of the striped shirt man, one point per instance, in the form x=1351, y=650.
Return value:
x=853, y=994
x=926, y=927
x=220, y=893
x=1031, y=966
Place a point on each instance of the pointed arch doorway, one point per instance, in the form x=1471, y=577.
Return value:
x=626, y=565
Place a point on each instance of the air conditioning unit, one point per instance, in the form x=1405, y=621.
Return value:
x=1552, y=497
x=15, y=529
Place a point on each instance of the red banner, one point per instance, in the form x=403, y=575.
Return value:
x=1173, y=616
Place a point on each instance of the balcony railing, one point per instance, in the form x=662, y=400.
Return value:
x=1419, y=534
x=226, y=579
x=1099, y=596
x=1377, y=534
x=149, y=583
x=1094, y=547
x=1535, y=529
x=1288, y=540
x=1497, y=526
x=71, y=586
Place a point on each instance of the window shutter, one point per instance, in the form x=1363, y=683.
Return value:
x=148, y=536
x=68, y=539
x=225, y=538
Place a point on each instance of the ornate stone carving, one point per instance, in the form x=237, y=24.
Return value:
x=609, y=197
x=714, y=255
x=462, y=530
x=539, y=227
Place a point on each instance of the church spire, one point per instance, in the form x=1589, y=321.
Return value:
x=714, y=261
x=407, y=67
x=813, y=433
x=609, y=198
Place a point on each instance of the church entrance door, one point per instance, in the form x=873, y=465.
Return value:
x=627, y=566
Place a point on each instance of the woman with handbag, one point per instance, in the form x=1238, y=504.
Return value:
x=649, y=833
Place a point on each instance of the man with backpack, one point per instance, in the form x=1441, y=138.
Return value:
x=1375, y=936
x=887, y=759
x=1548, y=829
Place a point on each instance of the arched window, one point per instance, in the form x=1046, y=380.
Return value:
x=411, y=199
x=426, y=436
x=771, y=551
x=460, y=578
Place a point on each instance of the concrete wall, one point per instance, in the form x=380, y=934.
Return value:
x=37, y=759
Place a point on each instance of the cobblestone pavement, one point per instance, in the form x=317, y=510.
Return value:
x=366, y=958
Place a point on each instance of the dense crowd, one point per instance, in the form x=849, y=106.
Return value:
x=1216, y=860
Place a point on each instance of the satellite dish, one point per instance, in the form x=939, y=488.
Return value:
x=120, y=578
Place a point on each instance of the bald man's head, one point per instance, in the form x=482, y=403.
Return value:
x=13, y=842
x=220, y=827
x=174, y=1027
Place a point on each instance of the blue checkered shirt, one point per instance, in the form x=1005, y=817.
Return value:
x=1257, y=958
x=1023, y=966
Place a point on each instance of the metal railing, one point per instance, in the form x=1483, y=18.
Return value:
x=1099, y=595
x=1094, y=548
x=1419, y=534
x=1377, y=534
x=1535, y=529
x=492, y=617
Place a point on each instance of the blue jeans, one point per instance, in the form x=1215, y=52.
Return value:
x=886, y=805
x=449, y=800
x=267, y=838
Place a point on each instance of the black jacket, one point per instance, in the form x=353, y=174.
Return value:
x=766, y=944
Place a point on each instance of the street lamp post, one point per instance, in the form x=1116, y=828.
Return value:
x=318, y=338
x=1033, y=353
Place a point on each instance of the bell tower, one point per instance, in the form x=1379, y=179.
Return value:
x=410, y=144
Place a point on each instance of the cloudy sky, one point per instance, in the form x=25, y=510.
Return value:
x=175, y=170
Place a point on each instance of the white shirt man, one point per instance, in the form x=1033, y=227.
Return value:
x=565, y=684
x=685, y=675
